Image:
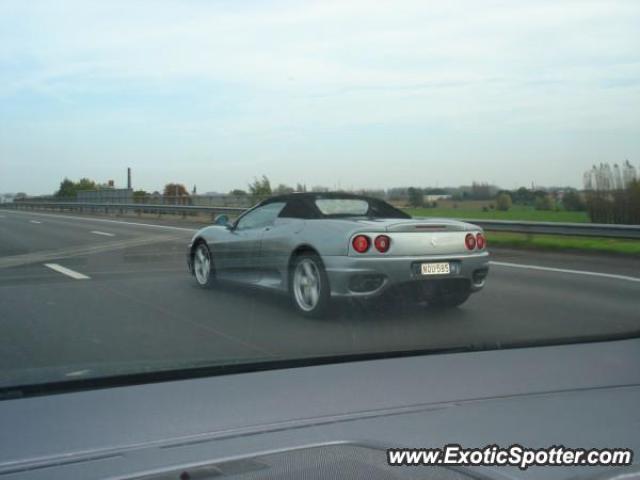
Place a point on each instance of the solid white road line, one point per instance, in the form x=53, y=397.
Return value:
x=106, y=234
x=566, y=270
x=65, y=271
x=104, y=220
x=34, y=221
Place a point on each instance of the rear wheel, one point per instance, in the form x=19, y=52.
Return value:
x=309, y=286
x=203, y=266
x=448, y=296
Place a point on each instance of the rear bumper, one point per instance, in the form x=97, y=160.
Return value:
x=366, y=276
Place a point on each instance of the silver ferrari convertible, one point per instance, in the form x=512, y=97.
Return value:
x=319, y=246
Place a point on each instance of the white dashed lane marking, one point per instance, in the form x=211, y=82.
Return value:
x=35, y=221
x=106, y=234
x=103, y=220
x=66, y=271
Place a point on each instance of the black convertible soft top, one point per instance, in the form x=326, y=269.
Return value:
x=303, y=205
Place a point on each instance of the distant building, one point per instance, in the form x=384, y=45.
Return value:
x=435, y=198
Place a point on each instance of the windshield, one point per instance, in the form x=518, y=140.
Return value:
x=209, y=186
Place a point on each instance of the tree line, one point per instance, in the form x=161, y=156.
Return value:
x=617, y=205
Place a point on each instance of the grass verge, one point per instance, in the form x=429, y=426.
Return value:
x=517, y=212
x=564, y=243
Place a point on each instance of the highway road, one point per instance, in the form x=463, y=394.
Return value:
x=81, y=293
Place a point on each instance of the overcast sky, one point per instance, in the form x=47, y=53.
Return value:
x=337, y=93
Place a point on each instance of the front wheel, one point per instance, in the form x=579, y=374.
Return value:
x=203, y=266
x=309, y=286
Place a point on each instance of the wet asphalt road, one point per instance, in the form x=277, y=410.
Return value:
x=139, y=308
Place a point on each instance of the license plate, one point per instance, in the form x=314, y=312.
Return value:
x=440, y=268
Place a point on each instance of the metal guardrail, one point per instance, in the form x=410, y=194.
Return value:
x=121, y=208
x=557, y=228
x=546, y=228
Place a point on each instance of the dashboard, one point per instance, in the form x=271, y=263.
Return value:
x=335, y=420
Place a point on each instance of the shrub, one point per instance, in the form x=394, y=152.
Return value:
x=416, y=197
x=573, y=201
x=503, y=202
x=544, y=203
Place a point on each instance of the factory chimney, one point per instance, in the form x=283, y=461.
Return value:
x=129, y=178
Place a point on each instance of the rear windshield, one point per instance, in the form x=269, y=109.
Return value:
x=342, y=206
x=358, y=207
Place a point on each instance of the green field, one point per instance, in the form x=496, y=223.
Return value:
x=471, y=210
x=474, y=210
x=564, y=243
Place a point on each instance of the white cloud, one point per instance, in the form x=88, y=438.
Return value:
x=318, y=44
x=304, y=68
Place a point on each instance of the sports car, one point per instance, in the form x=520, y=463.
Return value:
x=319, y=246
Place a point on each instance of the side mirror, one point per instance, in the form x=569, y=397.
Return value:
x=222, y=220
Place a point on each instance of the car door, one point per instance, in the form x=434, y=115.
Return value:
x=275, y=249
x=242, y=251
x=279, y=239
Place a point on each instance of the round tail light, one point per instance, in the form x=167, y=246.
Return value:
x=361, y=243
x=382, y=243
x=470, y=241
x=481, y=242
